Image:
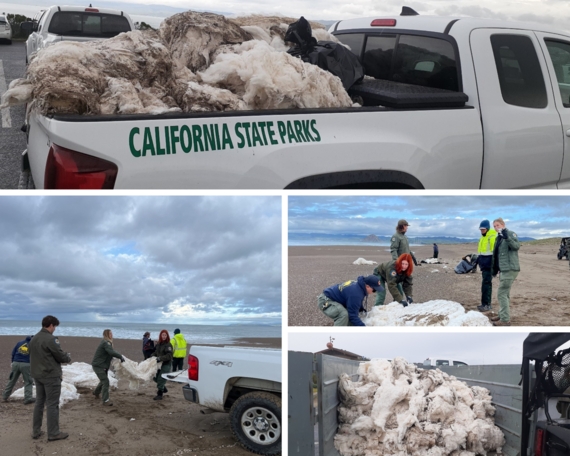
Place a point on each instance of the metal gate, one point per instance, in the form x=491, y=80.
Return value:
x=503, y=383
x=329, y=369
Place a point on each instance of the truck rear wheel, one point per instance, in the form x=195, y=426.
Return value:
x=255, y=419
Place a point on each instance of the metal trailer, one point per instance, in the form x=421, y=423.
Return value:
x=312, y=429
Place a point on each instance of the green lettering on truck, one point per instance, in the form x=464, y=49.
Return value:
x=282, y=130
x=159, y=150
x=226, y=138
x=186, y=143
x=174, y=137
x=148, y=145
x=315, y=131
x=134, y=151
x=241, y=142
x=197, y=134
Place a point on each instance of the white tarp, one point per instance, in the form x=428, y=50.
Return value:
x=431, y=313
x=400, y=410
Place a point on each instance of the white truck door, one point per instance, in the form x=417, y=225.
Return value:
x=556, y=48
x=523, y=144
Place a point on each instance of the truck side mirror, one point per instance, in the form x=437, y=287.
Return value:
x=28, y=26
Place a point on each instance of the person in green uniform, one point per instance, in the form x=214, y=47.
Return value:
x=163, y=352
x=101, y=363
x=399, y=245
x=46, y=357
x=505, y=263
x=396, y=275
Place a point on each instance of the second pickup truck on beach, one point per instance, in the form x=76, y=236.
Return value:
x=447, y=103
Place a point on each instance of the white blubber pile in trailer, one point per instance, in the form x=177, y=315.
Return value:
x=431, y=313
x=362, y=261
x=136, y=373
x=398, y=409
x=195, y=62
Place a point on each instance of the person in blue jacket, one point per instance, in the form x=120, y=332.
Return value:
x=344, y=301
x=20, y=366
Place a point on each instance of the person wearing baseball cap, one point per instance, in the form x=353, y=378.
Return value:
x=343, y=302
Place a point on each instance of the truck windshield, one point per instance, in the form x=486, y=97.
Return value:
x=74, y=23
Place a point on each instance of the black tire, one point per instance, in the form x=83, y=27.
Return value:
x=9, y=41
x=267, y=408
x=559, y=255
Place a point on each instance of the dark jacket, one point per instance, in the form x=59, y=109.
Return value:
x=163, y=351
x=150, y=347
x=506, y=253
x=435, y=248
x=391, y=277
x=104, y=354
x=351, y=295
x=21, y=352
x=46, y=355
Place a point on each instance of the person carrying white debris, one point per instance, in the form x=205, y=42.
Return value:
x=396, y=275
x=344, y=301
x=505, y=263
x=101, y=363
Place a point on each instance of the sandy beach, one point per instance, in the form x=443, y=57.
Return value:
x=168, y=427
x=539, y=296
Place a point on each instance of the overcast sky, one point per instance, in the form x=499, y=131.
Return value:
x=186, y=259
x=553, y=12
x=471, y=348
x=458, y=216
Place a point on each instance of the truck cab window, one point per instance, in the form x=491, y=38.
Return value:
x=442, y=362
x=353, y=40
x=518, y=68
x=411, y=59
x=560, y=57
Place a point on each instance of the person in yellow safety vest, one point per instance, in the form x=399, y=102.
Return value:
x=179, y=346
x=485, y=260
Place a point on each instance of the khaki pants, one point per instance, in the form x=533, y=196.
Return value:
x=23, y=369
x=504, y=294
x=334, y=310
x=48, y=391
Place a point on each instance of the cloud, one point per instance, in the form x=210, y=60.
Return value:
x=134, y=258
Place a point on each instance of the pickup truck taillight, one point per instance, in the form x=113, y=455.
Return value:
x=539, y=443
x=67, y=169
x=192, y=368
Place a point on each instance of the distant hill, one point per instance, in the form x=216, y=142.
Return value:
x=344, y=239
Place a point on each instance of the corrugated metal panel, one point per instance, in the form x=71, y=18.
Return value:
x=301, y=413
x=329, y=369
x=503, y=383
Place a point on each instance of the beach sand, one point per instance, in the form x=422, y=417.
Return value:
x=539, y=296
x=168, y=427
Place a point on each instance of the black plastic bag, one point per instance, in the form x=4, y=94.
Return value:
x=327, y=55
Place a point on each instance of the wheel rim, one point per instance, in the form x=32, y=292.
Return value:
x=261, y=425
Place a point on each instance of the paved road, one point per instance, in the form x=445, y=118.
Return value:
x=12, y=140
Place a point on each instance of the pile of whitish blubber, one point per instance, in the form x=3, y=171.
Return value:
x=398, y=409
x=195, y=62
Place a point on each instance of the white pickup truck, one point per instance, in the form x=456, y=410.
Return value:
x=448, y=103
x=74, y=23
x=246, y=382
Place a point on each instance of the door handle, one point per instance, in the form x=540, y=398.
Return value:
x=568, y=133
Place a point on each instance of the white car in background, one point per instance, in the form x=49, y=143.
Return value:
x=74, y=23
x=5, y=29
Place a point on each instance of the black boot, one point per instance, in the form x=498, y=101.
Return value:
x=158, y=396
x=165, y=390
